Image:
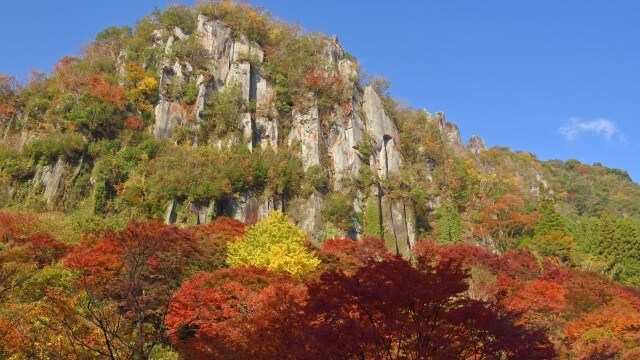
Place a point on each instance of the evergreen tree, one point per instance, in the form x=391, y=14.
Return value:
x=449, y=225
x=550, y=220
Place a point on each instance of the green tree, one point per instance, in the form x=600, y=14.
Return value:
x=555, y=244
x=223, y=113
x=338, y=209
x=550, y=220
x=449, y=225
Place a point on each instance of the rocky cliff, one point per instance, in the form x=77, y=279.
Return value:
x=343, y=138
x=331, y=141
x=196, y=112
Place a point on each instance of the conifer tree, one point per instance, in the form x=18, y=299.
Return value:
x=550, y=220
x=449, y=225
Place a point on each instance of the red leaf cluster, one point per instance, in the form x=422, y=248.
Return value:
x=134, y=123
x=105, y=91
x=233, y=313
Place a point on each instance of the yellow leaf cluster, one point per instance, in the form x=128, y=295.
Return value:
x=142, y=88
x=275, y=243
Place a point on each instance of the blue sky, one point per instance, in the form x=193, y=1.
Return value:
x=560, y=79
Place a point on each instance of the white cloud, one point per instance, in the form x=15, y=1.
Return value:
x=576, y=126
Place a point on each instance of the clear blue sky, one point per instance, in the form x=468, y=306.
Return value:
x=560, y=79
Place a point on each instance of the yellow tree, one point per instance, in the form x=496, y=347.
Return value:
x=275, y=243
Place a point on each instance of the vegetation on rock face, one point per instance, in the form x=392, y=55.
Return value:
x=224, y=113
x=78, y=163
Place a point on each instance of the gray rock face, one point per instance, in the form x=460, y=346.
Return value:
x=540, y=185
x=168, y=115
x=170, y=215
x=399, y=219
x=240, y=73
x=347, y=69
x=344, y=136
x=307, y=133
x=307, y=214
x=168, y=112
x=378, y=122
x=203, y=213
x=230, y=61
x=248, y=207
x=203, y=89
x=266, y=132
x=450, y=130
x=54, y=178
x=244, y=208
x=383, y=132
x=268, y=205
x=332, y=50
x=476, y=145
x=347, y=126
x=217, y=39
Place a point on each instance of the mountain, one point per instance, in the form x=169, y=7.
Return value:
x=199, y=114
x=193, y=115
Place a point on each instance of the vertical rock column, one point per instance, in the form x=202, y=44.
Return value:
x=306, y=131
x=398, y=218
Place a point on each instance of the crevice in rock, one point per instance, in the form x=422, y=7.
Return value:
x=393, y=228
x=406, y=226
x=385, y=142
x=253, y=98
x=380, y=214
x=171, y=215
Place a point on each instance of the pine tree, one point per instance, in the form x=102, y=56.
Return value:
x=449, y=225
x=550, y=220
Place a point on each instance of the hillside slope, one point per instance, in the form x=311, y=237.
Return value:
x=222, y=110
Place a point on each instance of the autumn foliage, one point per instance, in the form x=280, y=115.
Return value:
x=234, y=313
x=153, y=288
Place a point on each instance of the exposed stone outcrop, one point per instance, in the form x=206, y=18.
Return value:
x=383, y=133
x=217, y=39
x=307, y=133
x=266, y=130
x=476, y=145
x=397, y=216
x=168, y=115
x=240, y=73
x=244, y=207
x=267, y=205
x=332, y=142
x=399, y=219
x=307, y=214
x=539, y=186
x=345, y=134
x=230, y=64
x=203, y=89
x=332, y=50
x=168, y=112
x=202, y=212
x=56, y=178
x=450, y=131
x=171, y=215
